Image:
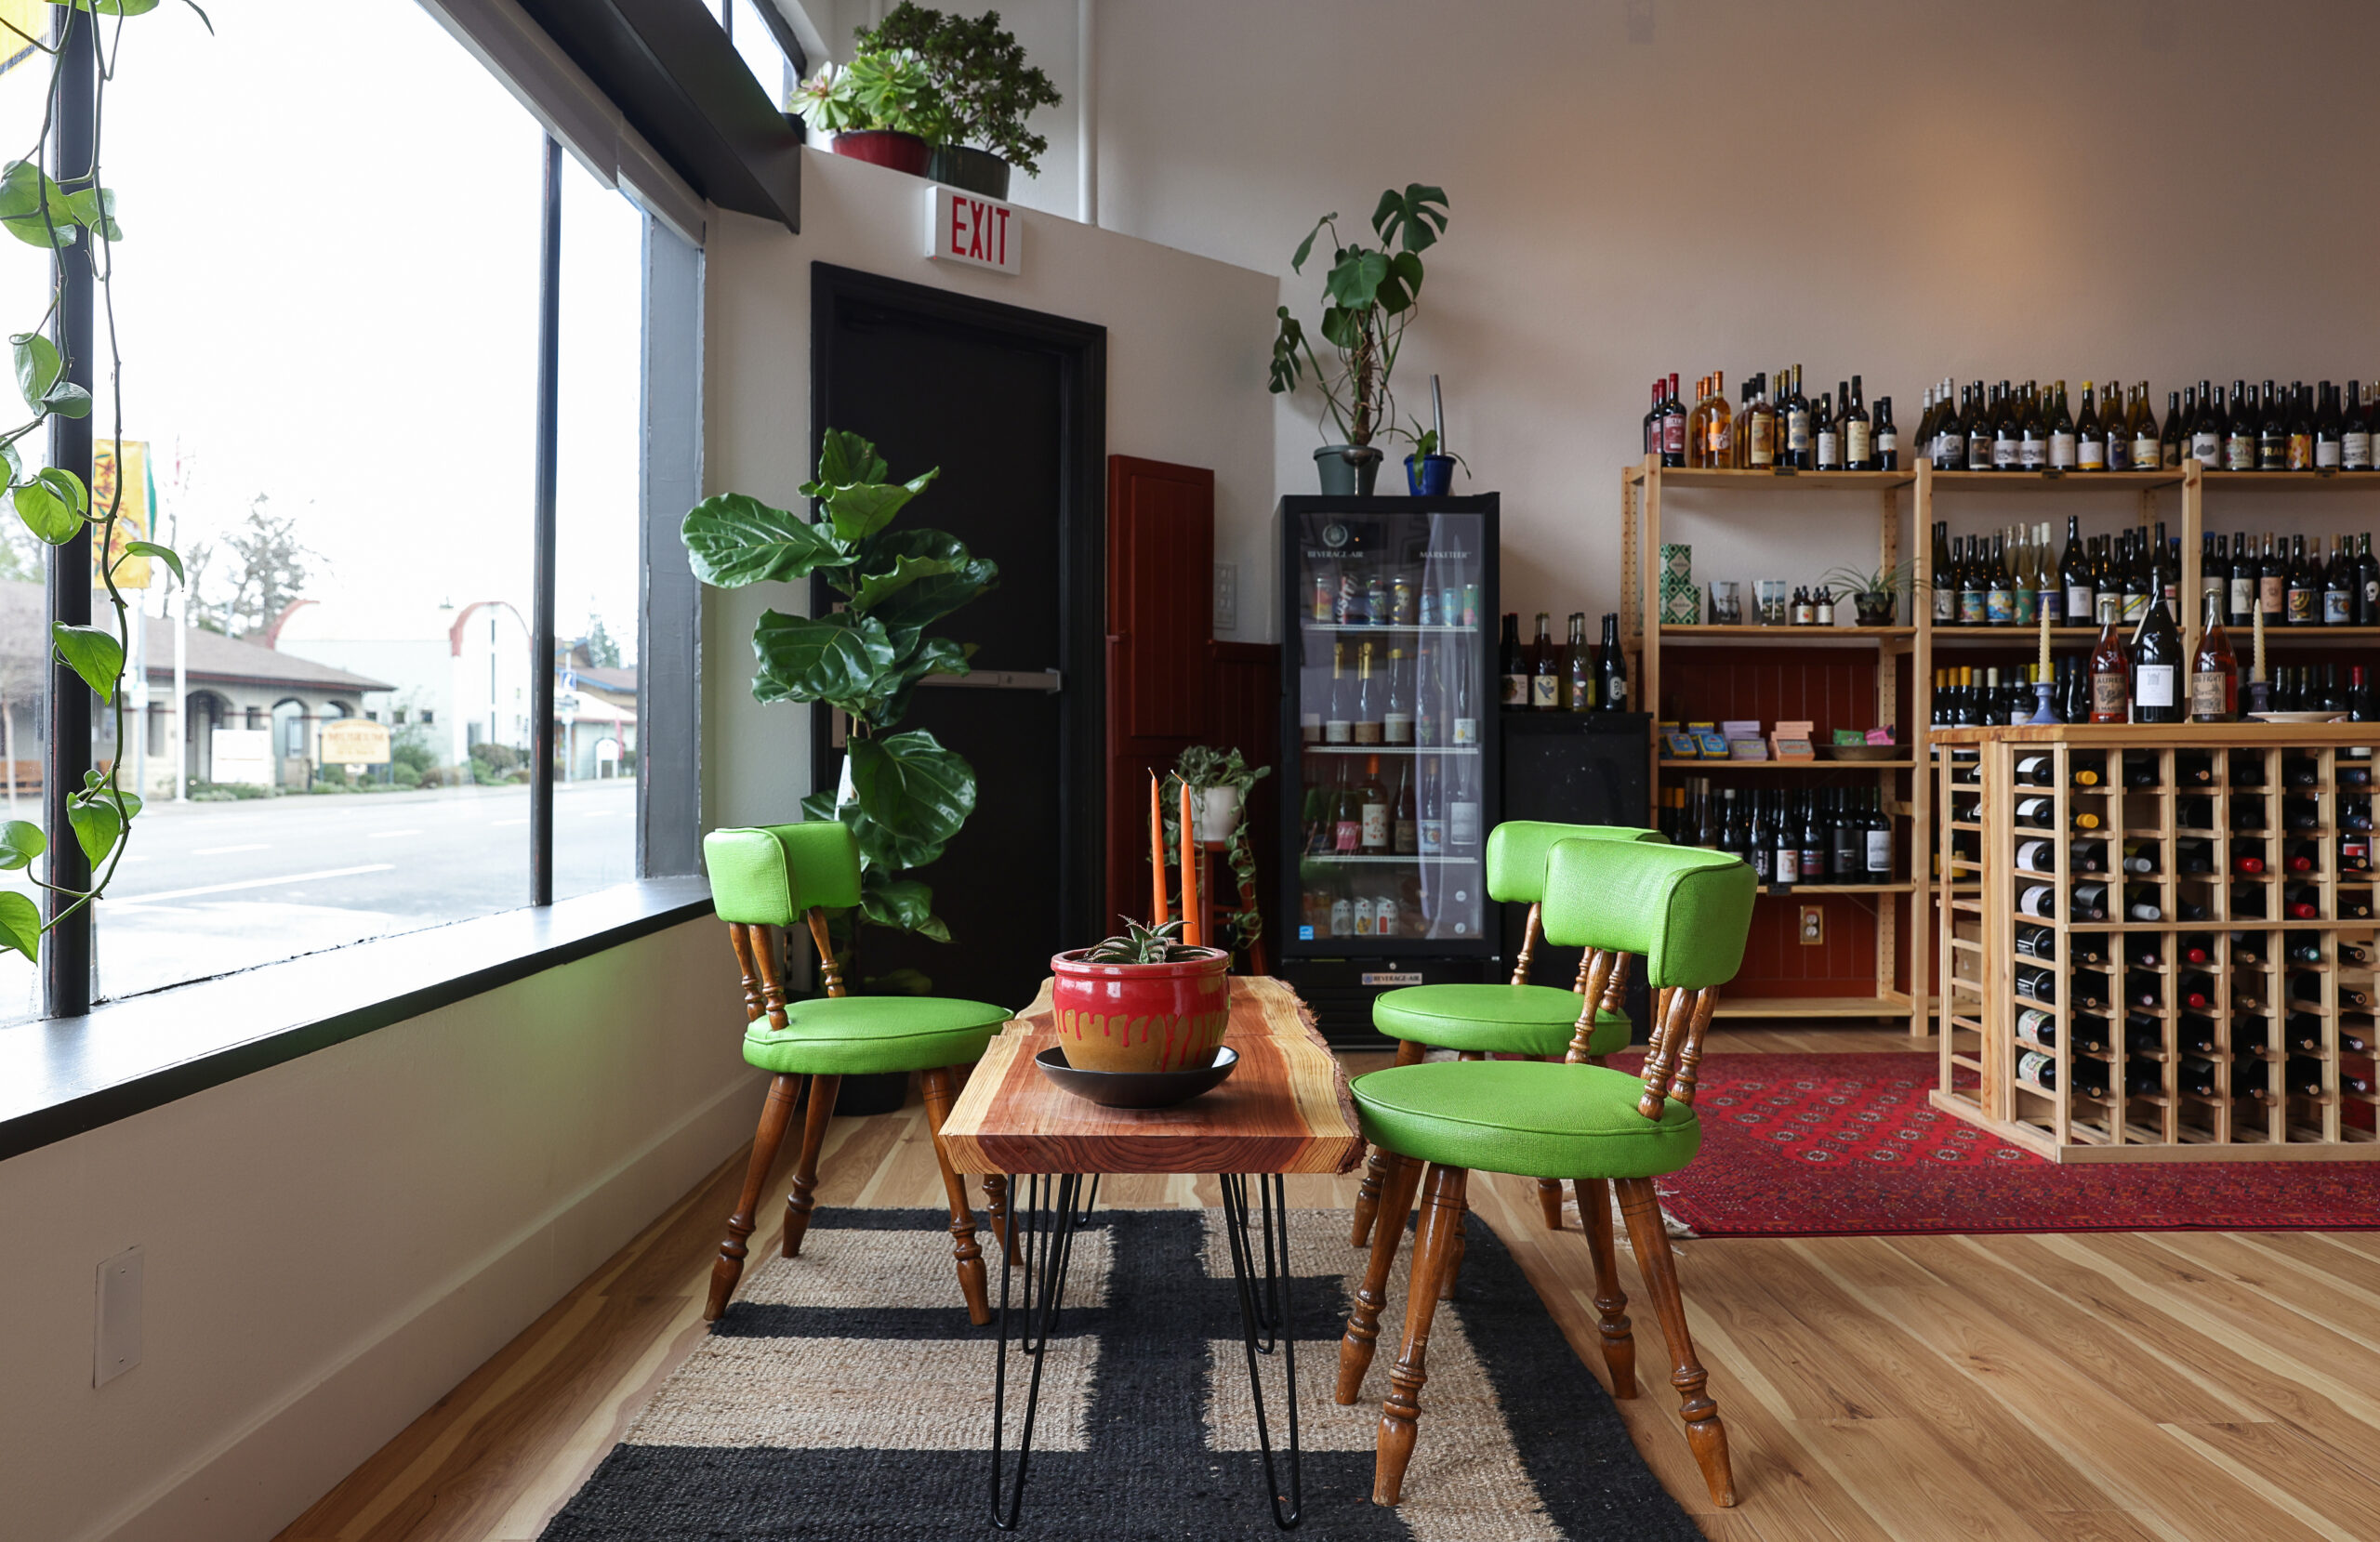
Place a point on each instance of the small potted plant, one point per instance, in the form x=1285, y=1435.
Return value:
x=1369, y=296
x=1219, y=781
x=1428, y=470
x=1142, y=1001
x=986, y=87
x=881, y=108
x=1875, y=592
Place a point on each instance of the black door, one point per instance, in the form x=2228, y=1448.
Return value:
x=1010, y=404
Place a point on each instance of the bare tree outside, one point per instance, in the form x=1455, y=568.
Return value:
x=239, y=581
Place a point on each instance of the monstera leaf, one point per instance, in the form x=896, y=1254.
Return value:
x=915, y=793
x=733, y=540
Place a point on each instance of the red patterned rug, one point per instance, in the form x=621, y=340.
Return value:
x=1831, y=1145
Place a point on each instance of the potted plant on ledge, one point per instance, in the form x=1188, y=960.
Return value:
x=1875, y=592
x=1369, y=296
x=881, y=108
x=986, y=89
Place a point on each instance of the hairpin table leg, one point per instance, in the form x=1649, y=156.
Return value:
x=1264, y=1322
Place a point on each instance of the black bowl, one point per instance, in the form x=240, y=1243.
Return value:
x=1135, y=1089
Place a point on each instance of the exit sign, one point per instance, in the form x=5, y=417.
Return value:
x=979, y=231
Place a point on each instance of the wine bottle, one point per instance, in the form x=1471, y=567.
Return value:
x=1827, y=433
x=2157, y=667
x=1546, y=670
x=2078, y=439
x=1371, y=708
x=1515, y=664
x=2110, y=677
x=1339, y=725
x=2148, y=449
x=1611, y=669
x=2215, y=673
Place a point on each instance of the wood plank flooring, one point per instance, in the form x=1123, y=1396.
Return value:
x=2073, y=1387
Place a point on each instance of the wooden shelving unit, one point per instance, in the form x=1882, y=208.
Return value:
x=2282, y=999
x=2179, y=496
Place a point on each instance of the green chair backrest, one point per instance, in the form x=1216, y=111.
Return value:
x=1684, y=912
x=771, y=875
x=1518, y=848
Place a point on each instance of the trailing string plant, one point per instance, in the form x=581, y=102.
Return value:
x=1369, y=296
x=72, y=217
x=1200, y=767
x=904, y=795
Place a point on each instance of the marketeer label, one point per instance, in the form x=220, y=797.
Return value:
x=981, y=232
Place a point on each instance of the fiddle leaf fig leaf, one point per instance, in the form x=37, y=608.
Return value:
x=860, y=510
x=91, y=652
x=845, y=460
x=733, y=540
x=932, y=576
x=904, y=904
x=21, y=843
x=915, y=793
x=19, y=924
x=831, y=658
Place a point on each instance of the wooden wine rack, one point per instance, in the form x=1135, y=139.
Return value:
x=2242, y=764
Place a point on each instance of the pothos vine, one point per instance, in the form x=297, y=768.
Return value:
x=73, y=217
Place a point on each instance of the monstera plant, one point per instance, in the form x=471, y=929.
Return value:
x=904, y=795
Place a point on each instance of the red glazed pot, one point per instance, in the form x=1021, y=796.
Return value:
x=886, y=147
x=1142, y=1017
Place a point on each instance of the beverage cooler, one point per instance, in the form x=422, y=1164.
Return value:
x=1390, y=754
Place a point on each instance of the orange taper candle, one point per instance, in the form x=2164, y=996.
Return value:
x=1192, y=931
x=1156, y=854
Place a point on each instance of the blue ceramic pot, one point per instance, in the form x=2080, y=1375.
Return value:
x=1429, y=476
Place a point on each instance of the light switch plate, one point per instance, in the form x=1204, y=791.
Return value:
x=1226, y=596
x=116, y=1340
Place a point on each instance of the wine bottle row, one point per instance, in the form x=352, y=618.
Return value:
x=1376, y=696
x=1545, y=675
x=2300, y=1076
x=1429, y=809
x=2301, y=427
x=2236, y=950
x=1966, y=696
x=1774, y=428
x=1825, y=836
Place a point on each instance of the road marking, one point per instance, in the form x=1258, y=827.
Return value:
x=251, y=883
x=389, y=835
x=227, y=850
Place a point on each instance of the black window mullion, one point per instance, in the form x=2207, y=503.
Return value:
x=541, y=625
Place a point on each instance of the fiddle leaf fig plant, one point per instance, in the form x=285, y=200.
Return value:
x=1369, y=296
x=908, y=794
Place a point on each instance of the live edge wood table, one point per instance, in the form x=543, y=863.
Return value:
x=1285, y=1109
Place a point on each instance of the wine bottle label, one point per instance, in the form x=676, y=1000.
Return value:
x=2135, y=606
x=2301, y=606
x=1797, y=430
x=1463, y=825
x=2039, y=901
x=1515, y=690
x=2108, y=695
x=1887, y=444
x=1857, y=441
x=1362, y=916
x=1466, y=732
x=1433, y=836
x=2209, y=698
x=1397, y=729
x=1375, y=828
x=1348, y=835
x=2089, y=454
x=2144, y=451
x=1369, y=733
x=1339, y=731
x=2051, y=605
x=1545, y=691
x=2003, y=454
x=1946, y=604
x=2206, y=448
x=2355, y=450
x=2062, y=451
x=1408, y=837
x=2078, y=600
x=1880, y=855
x=2326, y=455
x=1999, y=607
x=1310, y=727
x=2152, y=685
x=2338, y=607
x=1616, y=694
x=1425, y=731
x=1830, y=448
x=2243, y=596
x=1762, y=450
x=2037, y=1025
x=2035, y=1067
x=2037, y=856
x=2031, y=455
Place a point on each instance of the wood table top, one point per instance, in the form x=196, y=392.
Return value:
x=1286, y=1108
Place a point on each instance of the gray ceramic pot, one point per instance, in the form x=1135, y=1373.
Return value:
x=1347, y=471
x=965, y=167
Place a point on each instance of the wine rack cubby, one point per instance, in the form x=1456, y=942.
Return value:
x=2157, y=944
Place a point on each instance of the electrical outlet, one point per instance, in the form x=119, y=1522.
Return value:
x=1813, y=926
x=1226, y=596
x=115, y=1339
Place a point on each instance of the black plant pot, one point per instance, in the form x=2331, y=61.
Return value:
x=1347, y=471
x=1875, y=609
x=965, y=167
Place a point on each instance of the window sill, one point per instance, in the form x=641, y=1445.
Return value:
x=61, y=1076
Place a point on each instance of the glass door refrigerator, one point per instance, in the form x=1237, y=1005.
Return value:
x=1389, y=751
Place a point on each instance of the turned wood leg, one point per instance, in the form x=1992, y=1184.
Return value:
x=774, y=1116
x=964, y=1248
x=1454, y=1258
x=798, y=1203
x=995, y=1208
x=1367, y=1197
x=1441, y=1215
x=1363, y=1323
x=1619, y=1340
x=1549, y=1201
x=1703, y=1432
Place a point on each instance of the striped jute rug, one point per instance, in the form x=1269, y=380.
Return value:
x=845, y=1395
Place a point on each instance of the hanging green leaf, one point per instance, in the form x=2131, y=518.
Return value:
x=45, y=514
x=163, y=554
x=119, y=8
x=96, y=825
x=734, y=540
x=38, y=365
x=19, y=924
x=829, y=658
x=95, y=208
x=91, y=652
x=917, y=792
x=25, y=192
x=904, y=903
x=67, y=400
x=21, y=843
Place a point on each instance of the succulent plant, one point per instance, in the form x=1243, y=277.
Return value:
x=1142, y=944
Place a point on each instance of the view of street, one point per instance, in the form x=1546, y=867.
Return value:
x=212, y=886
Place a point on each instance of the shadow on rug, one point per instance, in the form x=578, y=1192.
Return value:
x=847, y=1396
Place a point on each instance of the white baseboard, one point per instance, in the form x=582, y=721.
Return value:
x=259, y=1476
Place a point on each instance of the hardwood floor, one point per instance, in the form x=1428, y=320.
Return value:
x=2069, y=1388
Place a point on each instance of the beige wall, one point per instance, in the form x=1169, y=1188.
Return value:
x=1185, y=336
x=331, y=1245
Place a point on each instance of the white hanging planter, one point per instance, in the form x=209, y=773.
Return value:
x=1216, y=814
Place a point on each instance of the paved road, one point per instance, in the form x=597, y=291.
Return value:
x=211, y=887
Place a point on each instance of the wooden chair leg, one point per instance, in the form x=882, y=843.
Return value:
x=1363, y=1323
x=798, y=1203
x=775, y=1114
x=1441, y=1214
x=1703, y=1432
x=995, y=1210
x=1454, y=1260
x=1408, y=1052
x=1619, y=1339
x=1549, y=1201
x=964, y=1248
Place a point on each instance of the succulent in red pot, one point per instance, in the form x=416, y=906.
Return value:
x=1144, y=1001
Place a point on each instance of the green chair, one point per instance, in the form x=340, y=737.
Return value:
x=764, y=879
x=1538, y=1021
x=1686, y=912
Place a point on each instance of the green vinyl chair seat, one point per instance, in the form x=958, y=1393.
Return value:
x=1537, y=1021
x=1525, y=1118
x=857, y=1035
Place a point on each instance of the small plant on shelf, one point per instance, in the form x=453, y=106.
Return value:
x=978, y=74
x=1875, y=592
x=1207, y=771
